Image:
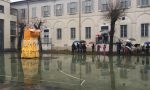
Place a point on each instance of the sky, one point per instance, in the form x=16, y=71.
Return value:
x=15, y=0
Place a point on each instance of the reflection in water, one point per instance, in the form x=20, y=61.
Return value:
x=73, y=64
x=88, y=67
x=2, y=68
x=76, y=72
x=30, y=70
x=46, y=65
x=81, y=59
x=105, y=65
x=59, y=63
x=147, y=60
x=144, y=69
x=123, y=68
x=13, y=67
x=123, y=73
x=98, y=63
x=93, y=58
x=112, y=73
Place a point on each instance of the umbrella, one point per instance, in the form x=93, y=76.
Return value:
x=146, y=42
x=128, y=40
x=91, y=42
x=82, y=41
x=76, y=41
x=132, y=39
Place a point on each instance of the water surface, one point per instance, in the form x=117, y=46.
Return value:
x=74, y=72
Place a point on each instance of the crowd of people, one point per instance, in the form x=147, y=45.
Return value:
x=79, y=47
x=129, y=48
x=82, y=48
x=121, y=48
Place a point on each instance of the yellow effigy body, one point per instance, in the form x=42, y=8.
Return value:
x=30, y=47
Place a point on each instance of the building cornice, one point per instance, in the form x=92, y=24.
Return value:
x=8, y=1
x=30, y=1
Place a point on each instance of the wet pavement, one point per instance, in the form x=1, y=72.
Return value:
x=74, y=72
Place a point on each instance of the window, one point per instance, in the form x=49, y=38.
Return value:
x=1, y=9
x=72, y=8
x=46, y=11
x=59, y=32
x=103, y=5
x=34, y=12
x=123, y=30
x=13, y=11
x=87, y=32
x=22, y=13
x=143, y=3
x=58, y=10
x=46, y=38
x=73, y=33
x=12, y=28
x=104, y=28
x=144, y=30
x=13, y=34
x=46, y=33
x=87, y=6
x=125, y=3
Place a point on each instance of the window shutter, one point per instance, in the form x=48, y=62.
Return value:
x=62, y=10
x=129, y=3
x=76, y=7
x=83, y=7
x=42, y=11
x=99, y=5
x=92, y=5
x=55, y=10
x=68, y=8
x=20, y=13
x=26, y=13
x=138, y=2
x=49, y=10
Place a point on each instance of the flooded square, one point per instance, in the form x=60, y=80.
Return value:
x=74, y=72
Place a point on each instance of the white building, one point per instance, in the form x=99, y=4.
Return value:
x=7, y=26
x=62, y=20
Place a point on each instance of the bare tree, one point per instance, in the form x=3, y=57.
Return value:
x=115, y=11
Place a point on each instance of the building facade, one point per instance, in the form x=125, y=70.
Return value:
x=66, y=21
x=8, y=29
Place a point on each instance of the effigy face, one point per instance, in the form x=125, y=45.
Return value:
x=30, y=46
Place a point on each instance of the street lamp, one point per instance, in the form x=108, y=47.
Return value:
x=79, y=19
x=28, y=9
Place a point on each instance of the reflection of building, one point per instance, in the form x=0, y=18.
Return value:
x=2, y=69
x=123, y=73
x=7, y=25
x=62, y=19
x=88, y=67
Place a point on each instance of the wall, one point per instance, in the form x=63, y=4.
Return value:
x=134, y=17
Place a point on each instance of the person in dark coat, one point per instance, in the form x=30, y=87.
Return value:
x=78, y=47
x=118, y=47
x=98, y=48
x=143, y=49
x=147, y=49
x=104, y=49
x=73, y=48
x=93, y=47
x=84, y=48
